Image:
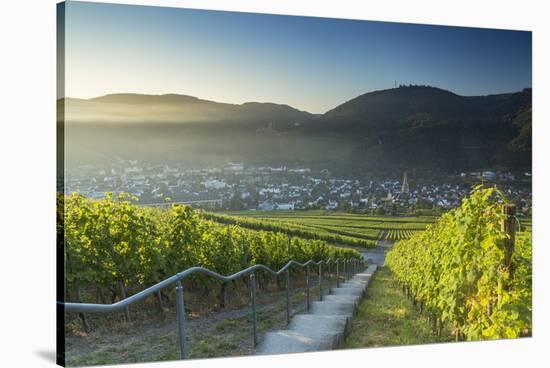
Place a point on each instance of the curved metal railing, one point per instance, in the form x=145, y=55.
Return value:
x=352, y=268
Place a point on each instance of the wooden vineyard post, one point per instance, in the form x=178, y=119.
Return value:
x=81, y=315
x=123, y=295
x=161, y=303
x=509, y=228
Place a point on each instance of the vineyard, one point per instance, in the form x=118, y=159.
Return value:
x=332, y=227
x=114, y=247
x=328, y=234
x=399, y=234
x=463, y=273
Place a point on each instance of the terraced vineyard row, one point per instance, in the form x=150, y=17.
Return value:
x=339, y=218
x=399, y=234
x=305, y=231
x=334, y=227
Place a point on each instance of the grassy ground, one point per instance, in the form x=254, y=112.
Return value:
x=387, y=318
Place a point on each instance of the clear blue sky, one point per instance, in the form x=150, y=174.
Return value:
x=312, y=64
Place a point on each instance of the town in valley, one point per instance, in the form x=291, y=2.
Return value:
x=236, y=186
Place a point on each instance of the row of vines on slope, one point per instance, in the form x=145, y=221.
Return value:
x=113, y=245
x=399, y=234
x=456, y=271
x=337, y=237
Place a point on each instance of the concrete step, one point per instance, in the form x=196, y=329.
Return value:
x=366, y=273
x=325, y=326
x=333, y=308
x=354, y=283
x=351, y=290
x=289, y=341
x=355, y=299
x=310, y=324
x=361, y=278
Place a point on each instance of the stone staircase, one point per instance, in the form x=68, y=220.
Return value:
x=326, y=325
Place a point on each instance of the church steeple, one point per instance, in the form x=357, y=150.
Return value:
x=405, y=186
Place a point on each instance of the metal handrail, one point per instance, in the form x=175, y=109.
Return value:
x=177, y=278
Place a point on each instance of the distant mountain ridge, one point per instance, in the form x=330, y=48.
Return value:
x=408, y=127
x=175, y=108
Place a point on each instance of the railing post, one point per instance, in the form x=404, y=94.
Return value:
x=345, y=273
x=253, y=297
x=328, y=277
x=344, y=269
x=337, y=273
x=308, y=301
x=180, y=305
x=287, y=282
x=320, y=281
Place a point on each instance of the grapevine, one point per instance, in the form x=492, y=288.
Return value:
x=455, y=271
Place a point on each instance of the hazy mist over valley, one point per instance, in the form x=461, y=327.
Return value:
x=410, y=127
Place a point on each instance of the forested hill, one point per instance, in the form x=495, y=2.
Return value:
x=406, y=106
x=432, y=127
